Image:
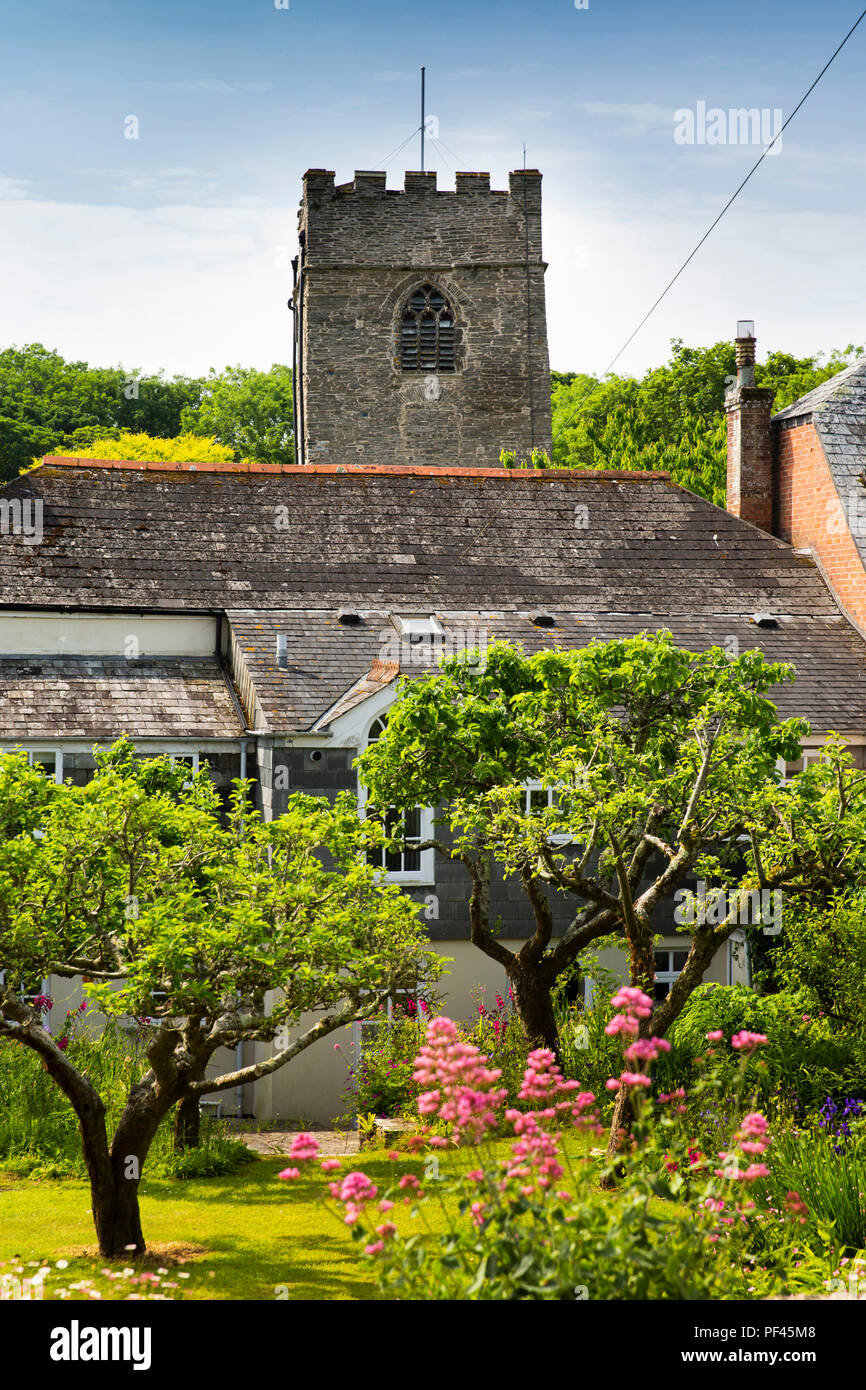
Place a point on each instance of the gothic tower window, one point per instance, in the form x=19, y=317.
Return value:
x=427, y=332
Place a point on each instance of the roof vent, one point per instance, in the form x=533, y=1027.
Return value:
x=764, y=620
x=543, y=620
x=349, y=618
x=282, y=651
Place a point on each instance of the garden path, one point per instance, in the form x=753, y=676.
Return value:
x=332, y=1142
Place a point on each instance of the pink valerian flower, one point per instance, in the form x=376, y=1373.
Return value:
x=386, y=1230
x=754, y=1126
x=747, y=1042
x=385, y=1205
x=634, y=1078
x=671, y=1164
x=542, y=1079
x=755, y=1170
x=304, y=1147
x=634, y=1001
x=288, y=1173
x=357, y=1189
x=646, y=1049
x=374, y=1248
x=715, y=1036
x=622, y=1023
x=331, y=1165
x=463, y=1090
x=478, y=1209
x=408, y=1180
x=795, y=1206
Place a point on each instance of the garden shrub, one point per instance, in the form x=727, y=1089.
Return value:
x=535, y=1225
x=804, y=1061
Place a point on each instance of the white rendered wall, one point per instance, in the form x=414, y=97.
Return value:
x=104, y=634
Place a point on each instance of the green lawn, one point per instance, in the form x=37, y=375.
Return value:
x=248, y=1231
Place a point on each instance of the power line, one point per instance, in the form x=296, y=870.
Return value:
x=669, y=286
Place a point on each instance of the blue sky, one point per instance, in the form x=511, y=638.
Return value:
x=173, y=249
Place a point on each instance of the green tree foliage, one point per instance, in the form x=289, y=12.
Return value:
x=813, y=838
x=188, y=920
x=249, y=410
x=673, y=417
x=51, y=406
x=654, y=755
x=186, y=448
x=48, y=404
x=824, y=953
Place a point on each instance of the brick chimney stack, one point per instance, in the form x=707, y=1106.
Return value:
x=750, y=439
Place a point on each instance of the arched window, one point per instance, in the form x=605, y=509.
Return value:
x=427, y=332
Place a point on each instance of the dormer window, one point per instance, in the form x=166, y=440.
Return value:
x=419, y=629
x=427, y=339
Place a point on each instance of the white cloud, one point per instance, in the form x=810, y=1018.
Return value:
x=633, y=118
x=14, y=188
x=179, y=287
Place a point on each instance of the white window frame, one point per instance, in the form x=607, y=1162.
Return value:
x=667, y=977
x=534, y=785
x=38, y=755
x=358, y=1025
x=425, y=875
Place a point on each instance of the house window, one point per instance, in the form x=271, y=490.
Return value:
x=366, y=1032
x=668, y=966
x=427, y=332
x=51, y=762
x=537, y=797
x=406, y=865
x=190, y=760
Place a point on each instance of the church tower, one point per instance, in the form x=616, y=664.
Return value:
x=420, y=325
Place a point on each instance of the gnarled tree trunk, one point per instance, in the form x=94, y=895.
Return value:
x=187, y=1124
x=114, y=1187
x=535, y=1007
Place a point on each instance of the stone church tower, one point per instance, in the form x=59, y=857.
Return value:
x=420, y=326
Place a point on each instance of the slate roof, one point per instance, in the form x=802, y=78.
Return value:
x=837, y=409
x=216, y=538
x=283, y=550
x=105, y=697
x=327, y=661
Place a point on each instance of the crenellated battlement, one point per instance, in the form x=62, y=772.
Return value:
x=372, y=183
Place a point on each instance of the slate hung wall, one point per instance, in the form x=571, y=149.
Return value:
x=364, y=251
x=810, y=513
